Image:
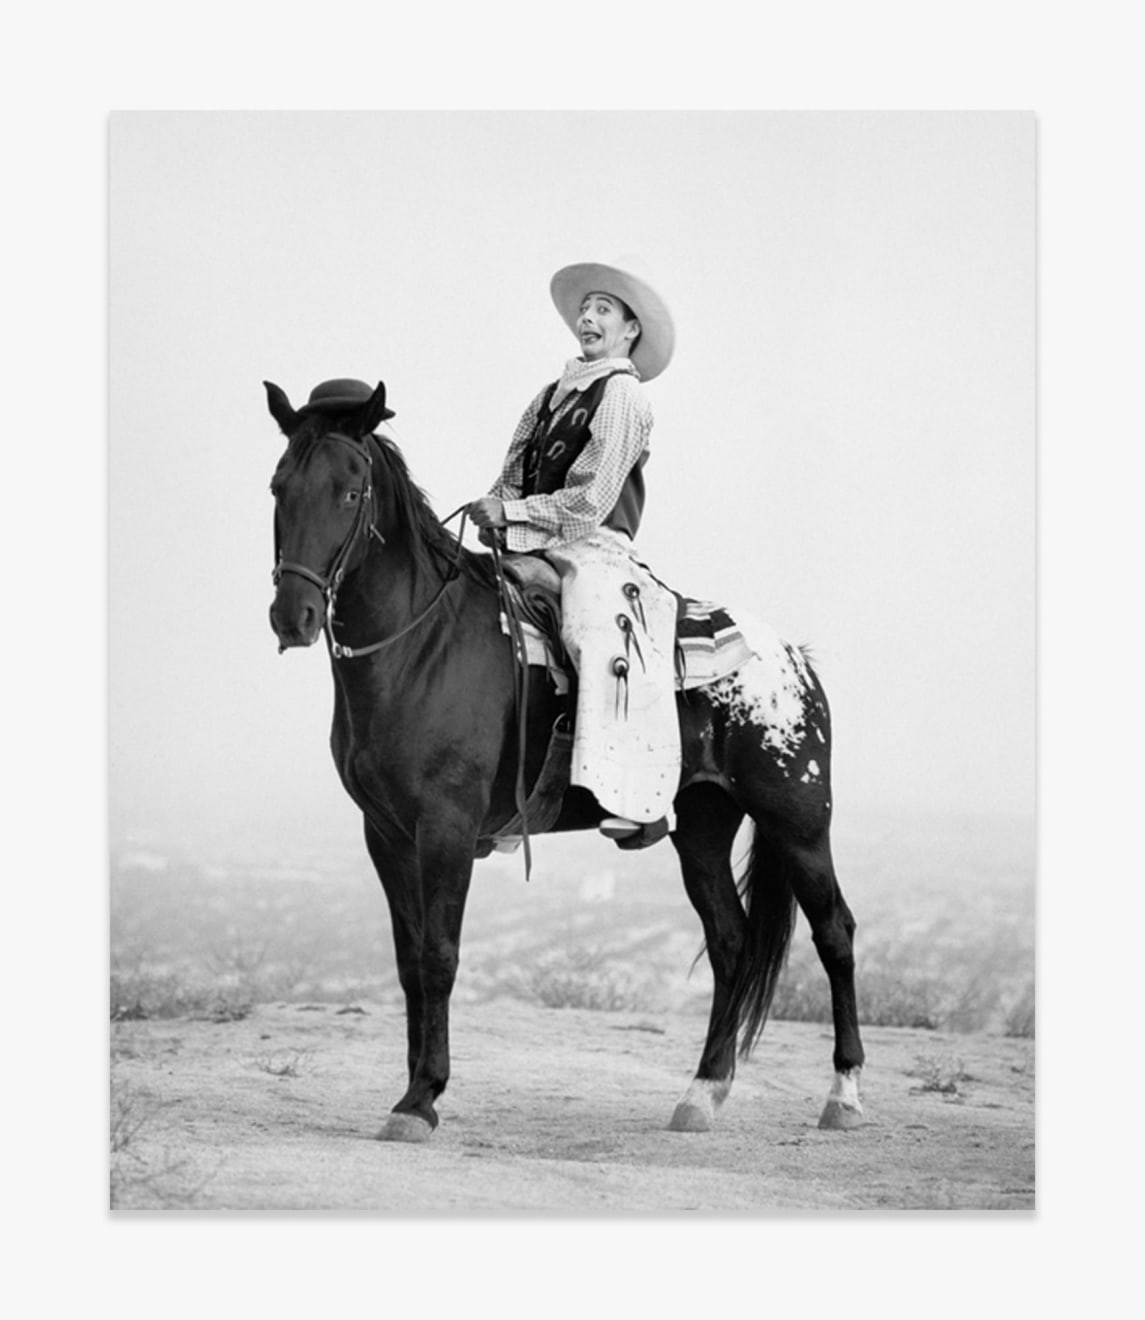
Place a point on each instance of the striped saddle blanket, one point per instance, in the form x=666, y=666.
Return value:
x=711, y=643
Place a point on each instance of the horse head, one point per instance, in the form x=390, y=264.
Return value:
x=324, y=500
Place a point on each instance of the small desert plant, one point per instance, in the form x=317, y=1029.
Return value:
x=282, y=1063
x=887, y=999
x=136, y=1174
x=802, y=995
x=166, y=1181
x=1020, y=1018
x=228, y=1004
x=130, y=1114
x=141, y=994
x=889, y=996
x=908, y=984
x=940, y=1074
x=584, y=978
x=238, y=958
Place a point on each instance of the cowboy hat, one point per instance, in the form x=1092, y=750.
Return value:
x=335, y=395
x=571, y=285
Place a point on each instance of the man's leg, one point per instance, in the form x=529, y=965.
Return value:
x=619, y=628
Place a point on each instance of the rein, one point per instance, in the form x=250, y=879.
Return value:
x=364, y=525
x=520, y=694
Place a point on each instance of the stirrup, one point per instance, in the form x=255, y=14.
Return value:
x=630, y=834
x=616, y=827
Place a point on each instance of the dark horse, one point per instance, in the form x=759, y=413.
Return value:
x=425, y=739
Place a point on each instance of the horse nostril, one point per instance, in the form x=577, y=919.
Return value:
x=299, y=626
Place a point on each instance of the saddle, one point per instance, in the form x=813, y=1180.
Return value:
x=538, y=598
x=710, y=645
x=710, y=642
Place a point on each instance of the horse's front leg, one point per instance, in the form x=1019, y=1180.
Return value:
x=445, y=863
x=397, y=869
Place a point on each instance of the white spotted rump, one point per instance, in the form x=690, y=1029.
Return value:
x=773, y=691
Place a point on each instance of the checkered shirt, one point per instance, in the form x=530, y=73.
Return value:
x=618, y=437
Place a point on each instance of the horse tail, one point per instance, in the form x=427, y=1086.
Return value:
x=769, y=904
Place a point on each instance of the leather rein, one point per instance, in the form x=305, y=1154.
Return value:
x=364, y=525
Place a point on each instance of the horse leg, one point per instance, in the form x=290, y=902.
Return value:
x=812, y=876
x=399, y=878
x=445, y=862
x=706, y=824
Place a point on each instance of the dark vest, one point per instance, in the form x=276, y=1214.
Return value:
x=555, y=446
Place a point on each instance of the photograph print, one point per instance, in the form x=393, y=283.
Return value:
x=572, y=662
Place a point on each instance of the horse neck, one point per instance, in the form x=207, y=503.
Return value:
x=399, y=574
x=385, y=591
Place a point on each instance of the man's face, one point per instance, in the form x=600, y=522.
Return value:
x=604, y=329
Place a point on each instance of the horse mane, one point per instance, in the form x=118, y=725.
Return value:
x=412, y=520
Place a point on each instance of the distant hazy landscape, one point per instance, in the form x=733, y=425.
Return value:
x=257, y=1036
x=945, y=908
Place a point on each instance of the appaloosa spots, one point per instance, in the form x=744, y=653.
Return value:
x=772, y=691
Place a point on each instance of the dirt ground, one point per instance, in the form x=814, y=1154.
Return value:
x=556, y=1110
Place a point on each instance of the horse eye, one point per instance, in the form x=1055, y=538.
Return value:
x=353, y=496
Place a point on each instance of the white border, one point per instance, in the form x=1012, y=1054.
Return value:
x=76, y=68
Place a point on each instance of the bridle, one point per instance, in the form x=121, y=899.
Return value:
x=364, y=526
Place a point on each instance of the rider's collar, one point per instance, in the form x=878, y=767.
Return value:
x=579, y=374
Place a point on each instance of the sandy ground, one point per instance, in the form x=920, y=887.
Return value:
x=564, y=1111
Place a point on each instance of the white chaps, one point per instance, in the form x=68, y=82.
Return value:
x=620, y=632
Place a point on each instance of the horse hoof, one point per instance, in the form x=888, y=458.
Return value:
x=691, y=1118
x=696, y=1111
x=840, y=1117
x=405, y=1127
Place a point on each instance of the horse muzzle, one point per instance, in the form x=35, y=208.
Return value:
x=296, y=617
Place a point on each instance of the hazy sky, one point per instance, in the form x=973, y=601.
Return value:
x=844, y=442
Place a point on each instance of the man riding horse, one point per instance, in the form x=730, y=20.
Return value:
x=572, y=491
x=425, y=734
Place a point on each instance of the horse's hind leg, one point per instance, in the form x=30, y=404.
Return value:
x=706, y=824
x=812, y=876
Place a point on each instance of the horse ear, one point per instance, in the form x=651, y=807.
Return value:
x=375, y=410
x=280, y=408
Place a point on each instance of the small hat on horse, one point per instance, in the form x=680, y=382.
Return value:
x=337, y=395
x=572, y=284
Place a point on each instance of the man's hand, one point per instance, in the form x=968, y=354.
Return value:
x=487, y=512
x=492, y=536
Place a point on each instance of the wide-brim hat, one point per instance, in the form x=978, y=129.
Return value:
x=572, y=284
x=337, y=395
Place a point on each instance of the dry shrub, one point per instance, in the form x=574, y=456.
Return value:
x=586, y=978
x=911, y=983
x=1020, y=1018
x=142, y=994
x=140, y=1175
x=282, y=1063
x=940, y=1074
